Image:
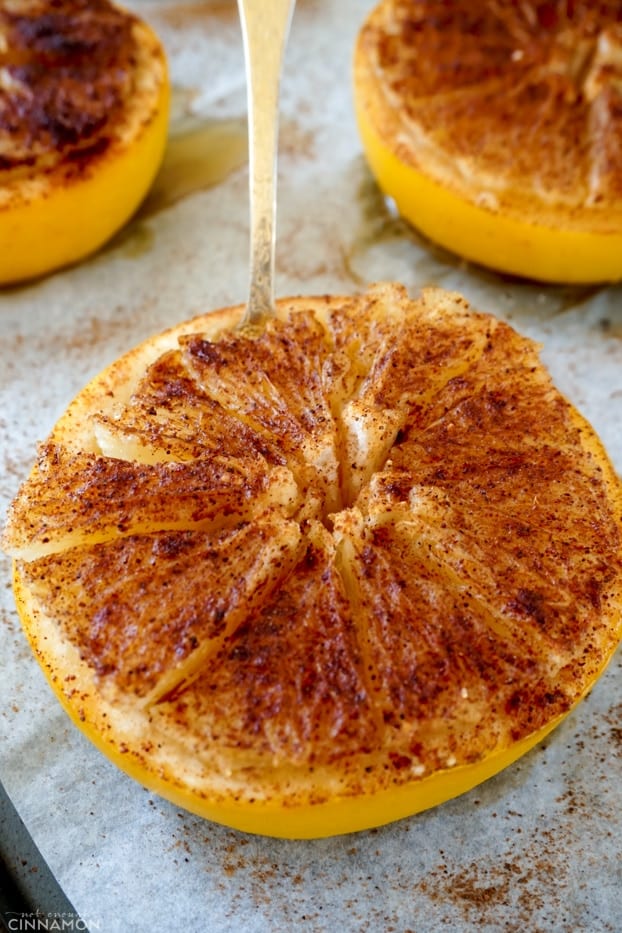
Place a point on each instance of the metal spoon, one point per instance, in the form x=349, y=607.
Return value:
x=265, y=26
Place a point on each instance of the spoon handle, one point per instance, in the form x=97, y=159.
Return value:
x=265, y=25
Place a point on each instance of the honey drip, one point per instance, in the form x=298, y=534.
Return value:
x=200, y=153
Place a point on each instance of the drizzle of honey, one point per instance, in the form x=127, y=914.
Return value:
x=201, y=152
x=379, y=224
x=611, y=328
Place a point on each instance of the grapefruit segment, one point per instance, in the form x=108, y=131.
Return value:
x=292, y=695
x=169, y=417
x=274, y=385
x=131, y=630
x=86, y=499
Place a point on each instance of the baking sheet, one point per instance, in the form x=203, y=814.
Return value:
x=538, y=847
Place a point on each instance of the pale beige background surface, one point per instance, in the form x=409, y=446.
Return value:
x=538, y=847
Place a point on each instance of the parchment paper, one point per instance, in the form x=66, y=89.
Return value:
x=536, y=848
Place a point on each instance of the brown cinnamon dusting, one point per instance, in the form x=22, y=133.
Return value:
x=528, y=93
x=459, y=604
x=68, y=69
x=526, y=882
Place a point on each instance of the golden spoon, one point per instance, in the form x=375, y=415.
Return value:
x=265, y=26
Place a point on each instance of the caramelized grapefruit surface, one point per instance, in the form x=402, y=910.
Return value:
x=83, y=122
x=316, y=580
x=497, y=128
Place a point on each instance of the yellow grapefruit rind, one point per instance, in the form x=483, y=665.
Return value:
x=276, y=817
x=296, y=812
x=50, y=221
x=504, y=239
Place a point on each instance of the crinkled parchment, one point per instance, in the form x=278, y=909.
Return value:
x=537, y=847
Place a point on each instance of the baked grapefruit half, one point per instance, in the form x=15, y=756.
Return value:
x=314, y=580
x=496, y=127
x=84, y=98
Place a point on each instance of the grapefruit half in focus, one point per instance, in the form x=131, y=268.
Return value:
x=315, y=580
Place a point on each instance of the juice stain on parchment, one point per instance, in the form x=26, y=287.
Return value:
x=199, y=155
x=611, y=328
x=201, y=152
x=381, y=225
x=378, y=224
